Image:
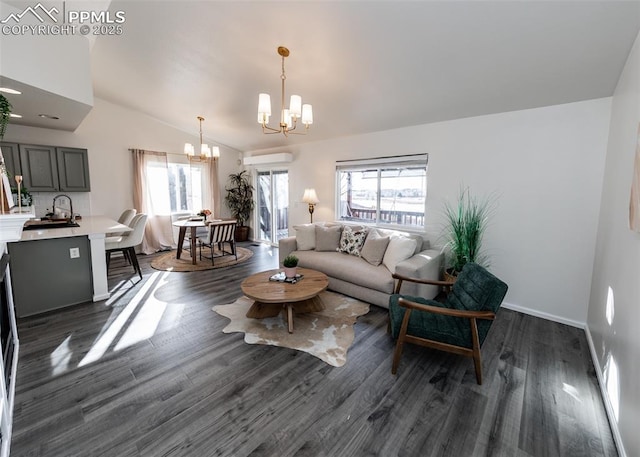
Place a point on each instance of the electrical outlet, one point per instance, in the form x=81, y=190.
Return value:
x=74, y=253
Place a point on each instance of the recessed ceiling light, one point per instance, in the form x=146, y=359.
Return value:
x=48, y=116
x=6, y=90
x=15, y=115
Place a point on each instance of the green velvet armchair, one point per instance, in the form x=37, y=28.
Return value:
x=460, y=324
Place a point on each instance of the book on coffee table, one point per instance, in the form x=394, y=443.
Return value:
x=280, y=277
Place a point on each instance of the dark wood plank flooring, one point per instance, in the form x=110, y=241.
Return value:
x=150, y=373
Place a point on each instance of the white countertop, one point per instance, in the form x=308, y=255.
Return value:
x=89, y=225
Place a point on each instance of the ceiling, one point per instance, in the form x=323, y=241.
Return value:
x=364, y=66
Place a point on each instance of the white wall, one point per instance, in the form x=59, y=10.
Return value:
x=108, y=132
x=44, y=62
x=545, y=164
x=617, y=266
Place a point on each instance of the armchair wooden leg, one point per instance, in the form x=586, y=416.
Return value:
x=398, y=351
x=477, y=358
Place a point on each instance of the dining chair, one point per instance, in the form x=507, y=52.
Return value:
x=125, y=219
x=126, y=243
x=220, y=233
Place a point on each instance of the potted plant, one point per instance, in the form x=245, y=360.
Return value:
x=466, y=223
x=5, y=114
x=25, y=196
x=239, y=200
x=290, y=264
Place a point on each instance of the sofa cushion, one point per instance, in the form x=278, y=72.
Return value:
x=351, y=240
x=374, y=247
x=305, y=236
x=421, y=243
x=327, y=238
x=348, y=268
x=399, y=249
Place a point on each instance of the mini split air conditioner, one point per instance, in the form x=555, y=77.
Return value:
x=281, y=157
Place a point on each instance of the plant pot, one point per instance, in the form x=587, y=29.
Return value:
x=450, y=276
x=290, y=272
x=242, y=233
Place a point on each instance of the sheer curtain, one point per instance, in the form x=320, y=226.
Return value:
x=213, y=190
x=171, y=183
x=151, y=196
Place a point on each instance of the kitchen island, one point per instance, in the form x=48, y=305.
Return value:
x=56, y=267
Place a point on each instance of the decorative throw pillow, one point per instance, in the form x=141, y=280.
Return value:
x=327, y=238
x=305, y=237
x=352, y=240
x=399, y=249
x=374, y=248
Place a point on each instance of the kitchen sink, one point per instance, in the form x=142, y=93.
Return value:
x=49, y=224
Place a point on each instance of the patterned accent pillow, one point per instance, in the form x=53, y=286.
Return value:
x=351, y=240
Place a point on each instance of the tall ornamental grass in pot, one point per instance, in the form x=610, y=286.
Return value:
x=466, y=222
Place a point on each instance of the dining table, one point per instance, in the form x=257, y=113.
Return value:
x=192, y=224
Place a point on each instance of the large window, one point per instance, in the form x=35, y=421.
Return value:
x=175, y=186
x=385, y=191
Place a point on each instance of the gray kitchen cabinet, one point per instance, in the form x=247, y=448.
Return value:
x=39, y=167
x=45, y=277
x=53, y=169
x=73, y=170
x=11, y=155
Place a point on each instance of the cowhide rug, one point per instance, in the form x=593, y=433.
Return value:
x=327, y=334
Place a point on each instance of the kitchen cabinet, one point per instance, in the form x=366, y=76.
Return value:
x=73, y=170
x=36, y=263
x=39, y=168
x=11, y=155
x=53, y=169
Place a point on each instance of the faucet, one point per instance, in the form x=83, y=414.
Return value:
x=73, y=216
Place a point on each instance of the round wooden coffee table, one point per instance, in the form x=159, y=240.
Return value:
x=272, y=296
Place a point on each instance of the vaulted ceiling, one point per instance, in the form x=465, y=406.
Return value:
x=364, y=66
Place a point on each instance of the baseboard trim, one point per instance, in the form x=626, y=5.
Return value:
x=613, y=424
x=543, y=315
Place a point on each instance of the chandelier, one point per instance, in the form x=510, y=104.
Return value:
x=288, y=117
x=205, y=150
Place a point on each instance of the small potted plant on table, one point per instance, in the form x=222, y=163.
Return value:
x=290, y=264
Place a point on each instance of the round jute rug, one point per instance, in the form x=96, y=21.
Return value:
x=168, y=261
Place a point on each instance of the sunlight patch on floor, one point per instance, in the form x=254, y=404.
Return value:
x=112, y=329
x=61, y=357
x=146, y=321
x=569, y=389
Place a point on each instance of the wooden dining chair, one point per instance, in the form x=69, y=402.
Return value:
x=219, y=233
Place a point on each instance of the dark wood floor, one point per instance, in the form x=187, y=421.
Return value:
x=150, y=373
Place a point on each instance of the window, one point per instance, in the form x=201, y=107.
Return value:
x=175, y=186
x=384, y=191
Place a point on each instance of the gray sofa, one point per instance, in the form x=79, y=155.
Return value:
x=356, y=277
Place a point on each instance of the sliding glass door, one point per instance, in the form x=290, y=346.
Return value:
x=273, y=205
